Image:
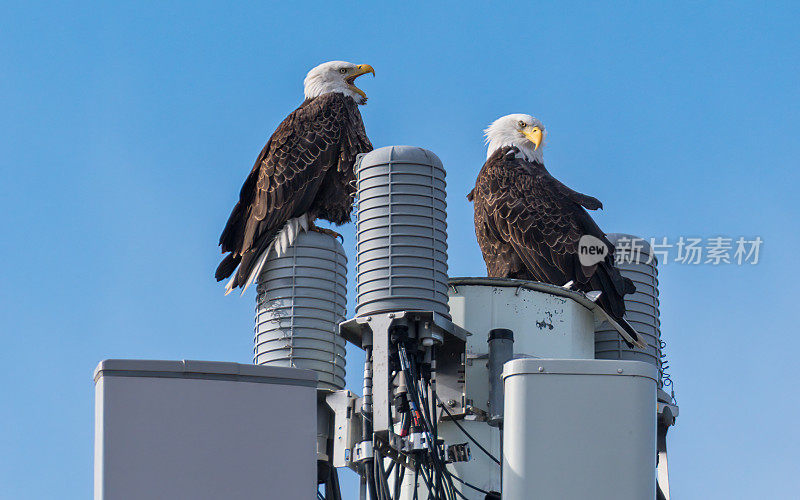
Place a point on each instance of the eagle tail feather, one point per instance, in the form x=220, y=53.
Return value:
x=259, y=265
x=233, y=229
x=629, y=286
x=230, y=285
x=637, y=340
x=280, y=243
x=227, y=266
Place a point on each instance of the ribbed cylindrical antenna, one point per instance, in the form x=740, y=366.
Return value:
x=401, y=232
x=302, y=298
x=638, y=263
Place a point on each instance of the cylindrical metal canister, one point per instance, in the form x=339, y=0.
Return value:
x=302, y=298
x=637, y=262
x=401, y=232
x=501, y=350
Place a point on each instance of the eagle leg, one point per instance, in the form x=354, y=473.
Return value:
x=323, y=230
x=594, y=295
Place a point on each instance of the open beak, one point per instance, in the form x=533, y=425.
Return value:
x=362, y=69
x=534, y=134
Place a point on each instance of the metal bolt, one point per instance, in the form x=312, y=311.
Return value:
x=619, y=370
x=451, y=403
x=541, y=368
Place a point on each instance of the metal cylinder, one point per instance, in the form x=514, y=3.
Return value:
x=546, y=325
x=302, y=298
x=501, y=350
x=639, y=264
x=401, y=232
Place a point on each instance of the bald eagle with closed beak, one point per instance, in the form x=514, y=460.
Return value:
x=304, y=173
x=529, y=224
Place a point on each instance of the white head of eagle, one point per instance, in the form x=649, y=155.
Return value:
x=520, y=130
x=336, y=76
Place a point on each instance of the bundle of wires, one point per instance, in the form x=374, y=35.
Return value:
x=418, y=416
x=429, y=462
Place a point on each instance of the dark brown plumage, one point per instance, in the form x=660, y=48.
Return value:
x=528, y=225
x=306, y=167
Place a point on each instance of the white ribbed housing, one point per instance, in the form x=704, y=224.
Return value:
x=642, y=306
x=302, y=298
x=401, y=232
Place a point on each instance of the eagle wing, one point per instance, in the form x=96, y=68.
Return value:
x=286, y=177
x=543, y=220
x=529, y=226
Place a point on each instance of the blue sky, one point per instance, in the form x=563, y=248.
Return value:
x=128, y=129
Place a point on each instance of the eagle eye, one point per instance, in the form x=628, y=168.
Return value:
x=342, y=70
x=521, y=124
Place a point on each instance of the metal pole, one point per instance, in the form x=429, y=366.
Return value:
x=501, y=350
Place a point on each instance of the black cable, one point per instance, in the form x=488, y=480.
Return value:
x=438, y=463
x=438, y=482
x=443, y=481
x=398, y=480
x=447, y=485
x=467, y=433
x=423, y=406
x=467, y=484
x=430, y=389
x=384, y=484
x=461, y=495
x=427, y=481
x=378, y=485
x=449, y=480
x=369, y=470
x=416, y=482
x=411, y=383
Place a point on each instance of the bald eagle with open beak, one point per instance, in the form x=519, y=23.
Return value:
x=304, y=173
x=529, y=225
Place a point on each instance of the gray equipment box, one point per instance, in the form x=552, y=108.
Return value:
x=203, y=430
x=577, y=429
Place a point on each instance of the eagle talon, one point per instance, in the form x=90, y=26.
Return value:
x=324, y=230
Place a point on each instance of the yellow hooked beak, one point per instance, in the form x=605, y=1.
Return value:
x=361, y=69
x=534, y=134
